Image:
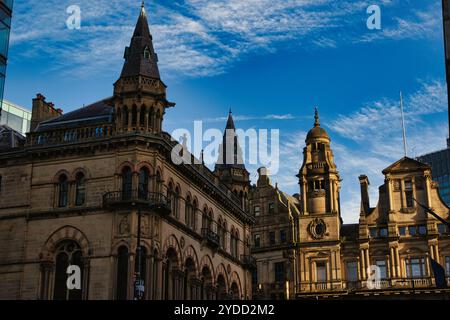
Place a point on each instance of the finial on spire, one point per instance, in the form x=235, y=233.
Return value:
x=143, y=8
x=230, y=111
x=316, y=118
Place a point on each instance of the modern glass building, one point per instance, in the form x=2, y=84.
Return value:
x=5, y=27
x=15, y=117
x=440, y=164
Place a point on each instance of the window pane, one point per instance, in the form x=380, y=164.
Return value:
x=382, y=265
x=321, y=272
x=352, y=271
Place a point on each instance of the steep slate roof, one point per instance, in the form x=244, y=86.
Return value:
x=136, y=63
x=238, y=161
x=98, y=112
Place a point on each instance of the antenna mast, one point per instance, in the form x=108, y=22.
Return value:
x=405, y=144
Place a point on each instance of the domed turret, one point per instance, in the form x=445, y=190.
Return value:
x=317, y=133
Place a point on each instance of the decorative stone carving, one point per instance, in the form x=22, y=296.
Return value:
x=124, y=226
x=317, y=229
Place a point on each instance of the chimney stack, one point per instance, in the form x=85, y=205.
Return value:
x=365, y=201
x=42, y=111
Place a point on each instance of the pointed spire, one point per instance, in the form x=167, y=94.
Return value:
x=230, y=122
x=316, y=118
x=140, y=56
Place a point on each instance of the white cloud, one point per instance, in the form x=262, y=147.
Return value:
x=193, y=37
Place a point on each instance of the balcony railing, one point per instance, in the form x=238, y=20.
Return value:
x=151, y=200
x=66, y=136
x=385, y=284
x=211, y=237
x=249, y=261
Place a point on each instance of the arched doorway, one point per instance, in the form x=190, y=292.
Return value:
x=207, y=292
x=221, y=288
x=170, y=280
x=190, y=289
x=235, y=294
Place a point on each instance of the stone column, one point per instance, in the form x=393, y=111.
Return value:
x=388, y=183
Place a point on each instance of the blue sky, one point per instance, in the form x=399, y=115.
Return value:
x=265, y=59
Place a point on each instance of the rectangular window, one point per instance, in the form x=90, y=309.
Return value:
x=409, y=194
x=402, y=231
x=382, y=265
x=271, y=208
x=447, y=266
x=321, y=272
x=442, y=228
x=415, y=267
x=257, y=211
x=279, y=272
x=422, y=230
x=257, y=240
x=383, y=232
x=272, y=238
x=283, y=238
x=412, y=230
x=352, y=271
x=373, y=232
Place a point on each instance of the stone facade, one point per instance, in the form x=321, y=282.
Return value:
x=390, y=251
x=74, y=193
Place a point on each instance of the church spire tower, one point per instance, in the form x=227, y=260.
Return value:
x=230, y=167
x=140, y=94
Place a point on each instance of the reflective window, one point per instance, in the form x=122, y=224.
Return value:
x=382, y=265
x=352, y=271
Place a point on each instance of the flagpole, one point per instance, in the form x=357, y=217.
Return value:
x=403, y=125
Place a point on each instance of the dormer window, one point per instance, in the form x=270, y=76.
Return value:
x=147, y=54
x=409, y=195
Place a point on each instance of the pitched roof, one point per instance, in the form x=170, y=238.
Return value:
x=406, y=164
x=140, y=56
x=98, y=112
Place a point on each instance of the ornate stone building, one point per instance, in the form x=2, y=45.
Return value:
x=393, y=243
x=275, y=235
x=72, y=194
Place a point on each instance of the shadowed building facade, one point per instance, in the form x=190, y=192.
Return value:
x=72, y=194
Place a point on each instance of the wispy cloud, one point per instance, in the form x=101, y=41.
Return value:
x=195, y=37
x=249, y=118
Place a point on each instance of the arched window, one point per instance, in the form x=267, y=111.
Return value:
x=122, y=273
x=190, y=292
x=187, y=211
x=80, y=192
x=143, y=183
x=142, y=116
x=193, y=213
x=67, y=253
x=236, y=244
x=177, y=203
x=205, y=218
x=134, y=116
x=143, y=265
x=232, y=241
x=63, y=187
x=125, y=117
x=126, y=183
x=223, y=239
x=154, y=280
